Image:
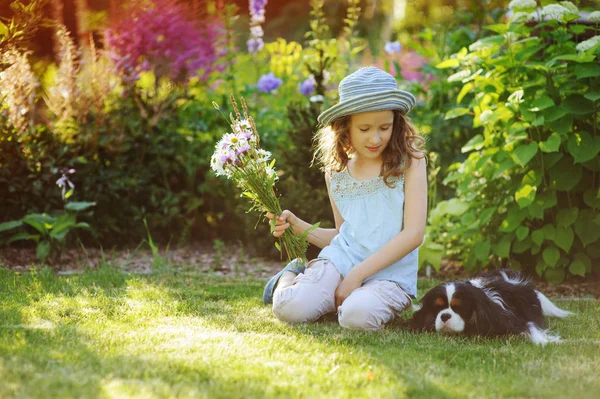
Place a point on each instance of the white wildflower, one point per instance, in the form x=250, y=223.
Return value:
x=524, y=17
x=217, y=165
x=485, y=116
x=594, y=16
x=479, y=45
x=588, y=44
x=555, y=11
x=263, y=155
x=271, y=172
x=569, y=6
x=256, y=31
x=458, y=76
x=244, y=124
x=522, y=4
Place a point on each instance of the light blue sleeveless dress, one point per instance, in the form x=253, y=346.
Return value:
x=373, y=214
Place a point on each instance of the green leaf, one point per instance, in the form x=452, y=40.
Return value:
x=3, y=30
x=563, y=125
x=498, y=28
x=525, y=195
x=524, y=153
x=549, y=231
x=581, y=57
x=463, y=92
x=565, y=175
x=79, y=206
x=555, y=276
x=595, y=95
x=513, y=220
x=40, y=222
x=551, y=255
x=533, y=178
x=566, y=216
x=22, y=236
x=564, y=238
x=580, y=265
x=456, y=112
x=487, y=214
x=503, y=167
x=482, y=250
x=538, y=236
x=10, y=225
x=541, y=104
x=586, y=228
x=589, y=70
x=553, y=113
x=591, y=199
x=476, y=143
x=522, y=232
x=502, y=248
x=583, y=146
x=577, y=104
x=278, y=246
x=552, y=144
x=43, y=250
x=431, y=253
x=449, y=63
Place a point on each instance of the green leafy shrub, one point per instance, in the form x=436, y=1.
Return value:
x=529, y=186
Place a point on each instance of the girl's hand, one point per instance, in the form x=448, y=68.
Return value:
x=284, y=221
x=351, y=282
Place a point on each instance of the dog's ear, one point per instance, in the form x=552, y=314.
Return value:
x=424, y=317
x=486, y=319
x=423, y=320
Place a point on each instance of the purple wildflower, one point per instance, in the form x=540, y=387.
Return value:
x=308, y=86
x=242, y=150
x=392, y=48
x=257, y=7
x=257, y=17
x=268, y=83
x=255, y=44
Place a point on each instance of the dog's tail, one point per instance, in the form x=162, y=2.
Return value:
x=550, y=309
x=539, y=336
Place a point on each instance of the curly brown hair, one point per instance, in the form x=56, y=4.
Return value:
x=333, y=147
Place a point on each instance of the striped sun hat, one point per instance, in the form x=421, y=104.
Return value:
x=368, y=89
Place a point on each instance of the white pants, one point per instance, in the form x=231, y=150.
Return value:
x=312, y=295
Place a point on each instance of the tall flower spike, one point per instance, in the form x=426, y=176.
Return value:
x=251, y=120
x=235, y=108
x=244, y=108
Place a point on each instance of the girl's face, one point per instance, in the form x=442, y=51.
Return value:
x=370, y=133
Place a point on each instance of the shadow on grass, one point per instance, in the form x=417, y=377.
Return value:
x=46, y=344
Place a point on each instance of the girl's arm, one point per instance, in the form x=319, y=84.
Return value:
x=411, y=236
x=320, y=237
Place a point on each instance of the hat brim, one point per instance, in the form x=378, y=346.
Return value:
x=381, y=101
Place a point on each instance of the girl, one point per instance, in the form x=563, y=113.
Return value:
x=377, y=185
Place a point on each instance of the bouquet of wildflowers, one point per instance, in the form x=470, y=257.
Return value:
x=238, y=156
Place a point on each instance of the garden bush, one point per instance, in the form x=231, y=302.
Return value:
x=527, y=195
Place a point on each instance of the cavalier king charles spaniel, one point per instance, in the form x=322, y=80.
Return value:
x=492, y=304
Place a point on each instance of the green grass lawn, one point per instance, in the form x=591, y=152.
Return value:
x=109, y=334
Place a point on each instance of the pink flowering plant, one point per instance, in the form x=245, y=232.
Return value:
x=158, y=35
x=238, y=157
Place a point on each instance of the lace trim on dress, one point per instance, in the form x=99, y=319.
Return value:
x=344, y=186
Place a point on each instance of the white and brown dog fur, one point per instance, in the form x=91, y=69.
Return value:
x=492, y=304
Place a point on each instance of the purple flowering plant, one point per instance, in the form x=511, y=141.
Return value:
x=268, y=83
x=257, y=18
x=238, y=157
x=158, y=35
